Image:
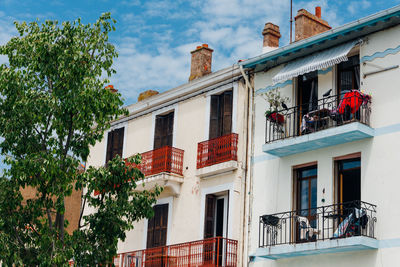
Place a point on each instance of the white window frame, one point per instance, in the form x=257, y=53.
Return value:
x=230, y=207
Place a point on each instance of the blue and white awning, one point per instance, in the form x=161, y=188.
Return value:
x=316, y=61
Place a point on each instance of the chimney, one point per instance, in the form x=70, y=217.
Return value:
x=111, y=88
x=146, y=94
x=201, y=62
x=307, y=24
x=271, y=35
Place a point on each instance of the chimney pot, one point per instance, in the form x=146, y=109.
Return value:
x=318, y=11
x=201, y=62
x=111, y=88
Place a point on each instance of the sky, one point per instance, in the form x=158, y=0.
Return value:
x=154, y=38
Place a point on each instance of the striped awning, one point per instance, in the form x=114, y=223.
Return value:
x=316, y=61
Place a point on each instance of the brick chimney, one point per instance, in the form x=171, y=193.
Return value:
x=307, y=24
x=271, y=35
x=201, y=62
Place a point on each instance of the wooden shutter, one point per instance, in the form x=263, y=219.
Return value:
x=157, y=227
x=115, y=143
x=163, y=134
x=158, y=132
x=214, y=116
x=227, y=113
x=109, y=146
x=209, y=218
x=169, y=125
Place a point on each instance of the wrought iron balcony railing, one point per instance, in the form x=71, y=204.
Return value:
x=217, y=150
x=216, y=251
x=328, y=112
x=166, y=159
x=343, y=220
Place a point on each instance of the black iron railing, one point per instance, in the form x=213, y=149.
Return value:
x=343, y=220
x=328, y=112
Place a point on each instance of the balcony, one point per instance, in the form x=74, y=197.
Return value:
x=340, y=227
x=163, y=166
x=331, y=121
x=216, y=251
x=217, y=155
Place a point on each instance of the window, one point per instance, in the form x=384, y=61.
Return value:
x=306, y=200
x=221, y=114
x=115, y=143
x=348, y=180
x=164, y=129
x=157, y=227
x=348, y=75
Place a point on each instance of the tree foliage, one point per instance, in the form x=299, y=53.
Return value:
x=53, y=107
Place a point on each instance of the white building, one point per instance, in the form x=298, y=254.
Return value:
x=325, y=180
x=193, y=143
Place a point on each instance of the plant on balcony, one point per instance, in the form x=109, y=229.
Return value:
x=275, y=101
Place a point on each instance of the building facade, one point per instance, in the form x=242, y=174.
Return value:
x=326, y=144
x=193, y=143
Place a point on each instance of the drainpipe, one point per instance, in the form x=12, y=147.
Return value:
x=249, y=173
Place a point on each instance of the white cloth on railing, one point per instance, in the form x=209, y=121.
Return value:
x=306, y=230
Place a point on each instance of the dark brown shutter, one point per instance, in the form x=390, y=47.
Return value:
x=169, y=129
x=214, y=116
x=227, y=113
x=119, y=141
x=164, y=129
x=115, y=143
x=109, y=146
x=157, y=227
x=209, y=219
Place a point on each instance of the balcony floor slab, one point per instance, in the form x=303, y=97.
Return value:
x=217, y=169
x=333, y=136
x=167, y=180
x=316, y=248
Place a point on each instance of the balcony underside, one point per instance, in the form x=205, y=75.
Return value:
x=171, y=182
x=334, y=136
x=316, y=248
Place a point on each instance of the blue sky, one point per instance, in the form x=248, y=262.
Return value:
x=154, y=38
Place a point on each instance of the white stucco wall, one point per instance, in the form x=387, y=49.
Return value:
x=186, y=211
x=380, y=157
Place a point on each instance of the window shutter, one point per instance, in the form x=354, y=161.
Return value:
x=119, y=143
x=227, y=113
x=209, y=216
x=214, y=116
x=158, y=132
x=157, y=227
x=115, y=143
x=109, y=146
x=169, y=129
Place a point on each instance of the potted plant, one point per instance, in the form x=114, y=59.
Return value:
x=275, y=101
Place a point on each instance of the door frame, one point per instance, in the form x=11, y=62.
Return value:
x=229, y=189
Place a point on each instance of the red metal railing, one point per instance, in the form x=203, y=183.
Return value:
x=217, y=150
x=165, y=159
x=216, y=251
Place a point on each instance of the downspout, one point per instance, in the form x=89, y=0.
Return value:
x=248, y=176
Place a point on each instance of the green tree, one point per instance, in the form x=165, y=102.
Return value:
x=53, y=107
